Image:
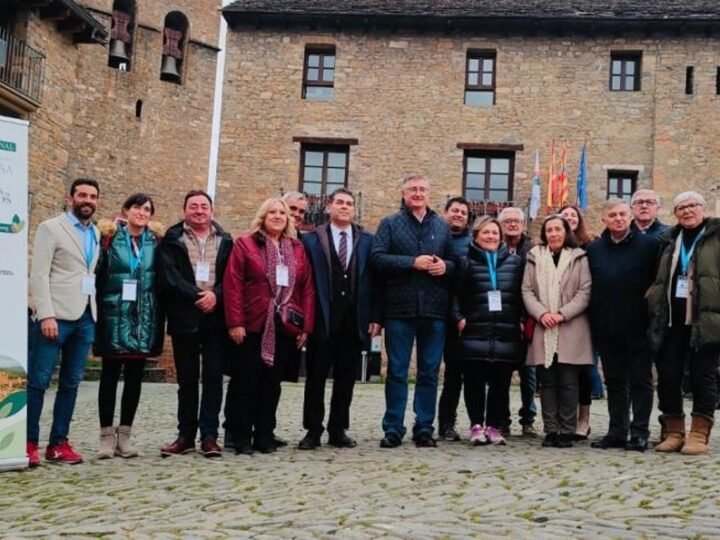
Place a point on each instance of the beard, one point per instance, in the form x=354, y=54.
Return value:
x=83, y=210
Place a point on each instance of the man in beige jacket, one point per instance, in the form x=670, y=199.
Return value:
x=62, y=287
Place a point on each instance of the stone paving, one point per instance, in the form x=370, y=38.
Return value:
x=519, y=491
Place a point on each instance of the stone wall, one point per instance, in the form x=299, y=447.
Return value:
x=401, y=96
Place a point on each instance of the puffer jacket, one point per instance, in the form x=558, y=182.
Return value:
x=409, y=293
x=704, y=289
x=492, y=336
x=126, y=327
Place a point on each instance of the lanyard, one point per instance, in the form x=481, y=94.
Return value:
x=685, y=255
x=491, y=259
x=136, y=253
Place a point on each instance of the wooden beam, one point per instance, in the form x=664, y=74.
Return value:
x=325, y=140
x=491, y=147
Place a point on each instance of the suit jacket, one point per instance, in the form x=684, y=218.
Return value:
x=57, y=271
x=362, y=278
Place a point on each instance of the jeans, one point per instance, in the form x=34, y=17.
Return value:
x=187, y=350
x=400, y=334
x=450, y=395
x=74, y=341
x=528, y=385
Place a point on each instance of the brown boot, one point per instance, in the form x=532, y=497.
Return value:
x=107, y=443
x=674, y=434
x=124, y=448
x=697, y=441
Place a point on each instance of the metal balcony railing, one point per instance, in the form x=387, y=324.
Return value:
x=22, y=68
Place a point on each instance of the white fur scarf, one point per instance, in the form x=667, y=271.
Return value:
x=549, y=276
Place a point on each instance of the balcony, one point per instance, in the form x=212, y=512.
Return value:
x=22, y=70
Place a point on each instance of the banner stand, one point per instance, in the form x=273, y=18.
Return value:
x=14, y=292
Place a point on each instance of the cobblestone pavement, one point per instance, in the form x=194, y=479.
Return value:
x=519, y=490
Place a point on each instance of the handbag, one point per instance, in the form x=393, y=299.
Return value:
x=292, y=319
x=530, y=324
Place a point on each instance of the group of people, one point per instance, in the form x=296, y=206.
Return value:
x=483, y=297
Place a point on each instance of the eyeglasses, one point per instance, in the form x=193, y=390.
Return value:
x=644, y=202
x=688, y=206
x=417, y=189
x=297, y=209
x=512, y=221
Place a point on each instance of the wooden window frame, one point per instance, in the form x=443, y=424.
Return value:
x=625, y=58
x=322, y=51
x=488, y=155
x=481, y=56
x=621, y=175
x=325, y=149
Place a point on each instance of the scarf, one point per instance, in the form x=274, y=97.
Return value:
x=549, y=276
x=274, y=257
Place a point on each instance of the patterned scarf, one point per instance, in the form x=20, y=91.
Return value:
x=274, y=257
x=549, y=276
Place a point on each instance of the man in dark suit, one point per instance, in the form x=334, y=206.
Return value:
x=347, y=319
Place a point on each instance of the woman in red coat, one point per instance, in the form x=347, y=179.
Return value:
x=268, y=272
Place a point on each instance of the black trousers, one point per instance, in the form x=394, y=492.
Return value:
x=342, y=353
x=255, y=388
x=628, y=378
x=585, y=386
x=450, y=395
x=670, y=362
x=189, y=350
x=133, y=370
x=487, y=391
x=559, y=397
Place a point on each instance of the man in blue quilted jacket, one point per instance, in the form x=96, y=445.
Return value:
x=413, y=254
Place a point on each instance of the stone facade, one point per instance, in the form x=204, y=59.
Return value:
x=400, y=94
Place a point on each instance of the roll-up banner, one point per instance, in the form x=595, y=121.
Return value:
x=13, y=291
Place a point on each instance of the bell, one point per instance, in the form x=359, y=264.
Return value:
x=169, y=67
x=117, y=49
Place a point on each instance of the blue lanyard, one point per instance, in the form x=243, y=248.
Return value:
x=136, y=253
x=491, y=259
x=686, y=255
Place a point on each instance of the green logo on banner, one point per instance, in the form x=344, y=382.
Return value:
x=8, y=146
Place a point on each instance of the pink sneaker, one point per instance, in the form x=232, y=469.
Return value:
x=477, y=435
x=33, y=455
x=63, y=453
x=494, y=436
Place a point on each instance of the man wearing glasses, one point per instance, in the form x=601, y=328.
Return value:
x=645, y=205
x=297, y=202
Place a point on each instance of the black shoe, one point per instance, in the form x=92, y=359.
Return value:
x=425, y=440
x=243, y=446
x=449, y=433
x=309, y=442
x=550, y=440
x=341, y=440
x=391, y=440
x=564, y=441
x=264, y=445
x=277, y=441
x=637, y=444
x=608, y=441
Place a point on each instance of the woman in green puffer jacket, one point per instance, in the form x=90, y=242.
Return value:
x=130, y=324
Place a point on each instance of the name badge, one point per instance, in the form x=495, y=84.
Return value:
x=494, y=301
x=202, y=272
x=129, y=290
x=681, y=290
x=376, y=344
x=88, y=284
x=282, y=275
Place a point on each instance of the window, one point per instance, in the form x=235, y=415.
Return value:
x=323, y=169
x=621, y=184
x=480, y=79
x=625, y=71
x=175, y=33
x=488, y=176
x=319, y=74
x=689, y=75
x=121, y=34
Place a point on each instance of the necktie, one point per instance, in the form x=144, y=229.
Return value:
x=342, y=253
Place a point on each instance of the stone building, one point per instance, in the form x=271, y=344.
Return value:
x=319, y=94
x=118, y=90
